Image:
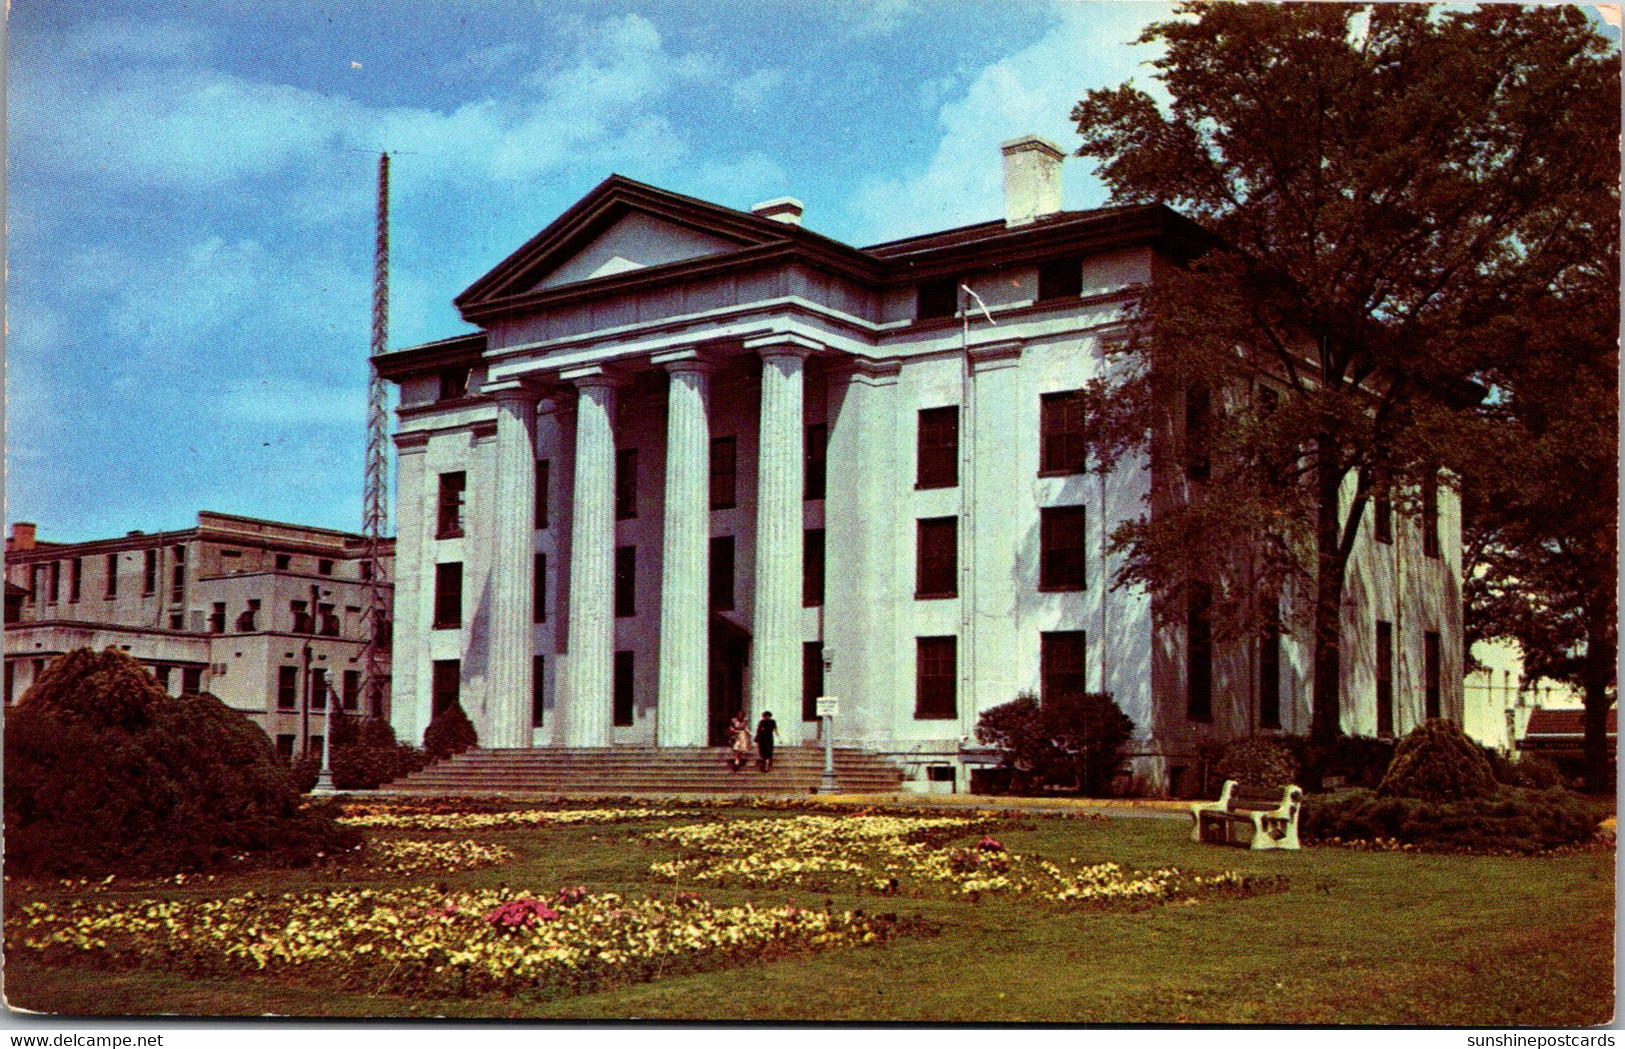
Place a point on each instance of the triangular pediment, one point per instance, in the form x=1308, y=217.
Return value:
x=620, y=227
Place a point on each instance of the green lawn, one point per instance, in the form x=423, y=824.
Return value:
x=1359, y=938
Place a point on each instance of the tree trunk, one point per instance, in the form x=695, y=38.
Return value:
x=1326, y=719
x=1599, y=673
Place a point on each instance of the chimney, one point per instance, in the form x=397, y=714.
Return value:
x=22, y=536
x=1032, y=179
x=780, y=209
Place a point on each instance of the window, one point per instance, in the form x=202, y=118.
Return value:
x=936, y=298
x=1198, y=417
x=724, y=472
x=544, y=480
x=812, y=678
x=1064, y=663
x=284, y=562
x=313, y=748
x=318, y=688
x=324, y=567
x=248, y=622
x=366, y=571
x=302, y=623
x=537, y=692
x=177, y=621
x=1061, y=447
x=1385, y=678
x=816, y=468
x=936, y=563
x=56, y=581
x=626, y=484
x=1062, y=548
x=453, y=383
x=191, y=680
x=217, y=618
x=626, y=581
x=1060, y=279
x=1382, y=517
x=938, y=448
x=1199, y=653
x=327, y=621
x=1430, y=674
x=450, y=514
x=112, y=577
x=812, y=568
x=936, y=676
x=1430, y=518
x=447, y=681
x=76, y=576
x=162, y=674
x=448, y=595
x=722, y=573
x=1269, y=671
x=149, y=573
x=284, y=745
x=352, y=689
x=177, y=575
x=538, y=589
x=623, y=689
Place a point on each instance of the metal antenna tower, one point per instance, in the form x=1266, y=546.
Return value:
x=375, y=497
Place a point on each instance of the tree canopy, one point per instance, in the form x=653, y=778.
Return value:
x=1387, y=185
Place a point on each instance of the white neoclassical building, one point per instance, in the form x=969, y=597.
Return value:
x=699, y=460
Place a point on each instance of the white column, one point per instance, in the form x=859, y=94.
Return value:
x=510, y=641
x=775, y=680
x=685, y=555
x=586, y=713
x=409, y=700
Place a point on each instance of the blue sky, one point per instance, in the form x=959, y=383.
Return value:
x=191, y=194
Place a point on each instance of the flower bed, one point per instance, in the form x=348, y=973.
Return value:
x=387, y=817
x=386, y=857
x=428, y=942
x=892, y=854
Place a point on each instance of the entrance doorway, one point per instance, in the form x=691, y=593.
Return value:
x=730, y=652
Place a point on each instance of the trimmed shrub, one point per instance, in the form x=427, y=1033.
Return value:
x=449, y=732
x=368, y=756
x=1515, y=820
x=1437, y=762
x=1258, y=762
x=104, y=772
x=1069, y=741
x=1530, y=770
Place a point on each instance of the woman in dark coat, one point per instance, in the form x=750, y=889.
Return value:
x=766, y=731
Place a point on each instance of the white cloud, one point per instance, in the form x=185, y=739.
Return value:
x=1031, y=91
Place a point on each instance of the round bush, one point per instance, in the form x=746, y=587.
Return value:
x=1515, y=820
x=449, y=732
x=369, y=756
x=1258, y=761
x=1437, y=762
x=104, y=772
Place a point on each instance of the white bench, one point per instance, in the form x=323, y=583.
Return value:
x=1264, y=818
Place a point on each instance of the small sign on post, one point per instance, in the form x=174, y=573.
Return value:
x=828, y=707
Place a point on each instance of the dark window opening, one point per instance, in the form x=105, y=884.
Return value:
x=1062, y=548
x=1269, y=672
x=76, y=574
x=327, y=620
x=626, y=581
x=538, y=611
x=318, y=688
x=626, y=484
x=938, y=448
x=1199, y=653
x=812, y=568
x=812, y=678
x=284, y=562
x=300, y=612
x=936, y=298
x=1385, y=678
x=936, y=676
x=191, y=680
x=538, y=694
x=1064, y=663
x=352, y=689
x=724, y=472
x=149, y=573
x=1430, y=674
x=217, y=618
x=248, y=622
x=1060, y=279
x=177, y=621
x=623, y=689
x=56, y=581
x=284, y=746
x=447, y=684
x=453, y=383
x=287, y=688
x=1198, y=420
x=449, y=516
x=544, y=471
x=1430, y=518
x=448, y=595
x=1382, y=517
x=112, y=576
x=722, y=573
x=1061, y=434
x=324, y=567
x=936, y=563
x=816, y=469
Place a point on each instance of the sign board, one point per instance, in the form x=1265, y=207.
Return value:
x=828, y=706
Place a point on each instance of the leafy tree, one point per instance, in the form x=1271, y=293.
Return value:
x=1540, y=510
x=1383, y=183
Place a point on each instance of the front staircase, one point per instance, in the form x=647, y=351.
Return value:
x=646, y=770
